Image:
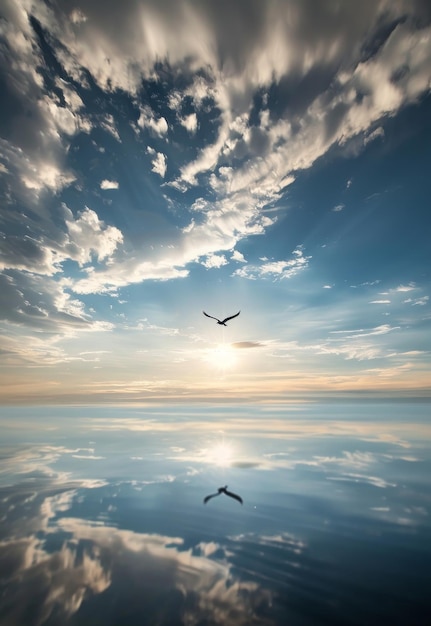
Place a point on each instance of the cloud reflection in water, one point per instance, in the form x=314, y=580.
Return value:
x=335, y=525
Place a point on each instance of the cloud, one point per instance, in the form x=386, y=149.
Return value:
x=214, y=261
x=89, y=235
x=271, y=49
x=35, y=293
x=378, y=132
x=190, y=122
x=238, y=257
x=404, y=288
x=158, y=127
x=277, y=270
x=383, y=329
x=100, y=558
x=90, y=457
x=247, y=344
x=81, y=238
x=40, y=303
x=158, y=163
x=125, y=273
x=419, y=301
x=109, y=184
x=375, y=481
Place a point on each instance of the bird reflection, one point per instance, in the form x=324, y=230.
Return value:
x=222, y=322
x=226, y=492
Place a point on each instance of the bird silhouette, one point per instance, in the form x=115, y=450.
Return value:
x=222, y=322
x=226, y=492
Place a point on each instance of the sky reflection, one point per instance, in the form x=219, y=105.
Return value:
x=107, y=525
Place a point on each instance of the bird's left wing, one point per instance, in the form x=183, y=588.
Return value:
x=233, y=495
x=231, y=317
x=211, y=316
x=213, y=495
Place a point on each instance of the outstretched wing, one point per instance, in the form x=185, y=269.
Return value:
x=231, y=317
x=213, y=495
x=213, y=318
x=233, y=495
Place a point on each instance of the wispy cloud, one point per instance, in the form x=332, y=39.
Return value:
x=277, y=270
x=383, y=329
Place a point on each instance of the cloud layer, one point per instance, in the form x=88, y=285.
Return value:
x=152, y=141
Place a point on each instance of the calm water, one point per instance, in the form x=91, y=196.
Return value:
x=103, y=521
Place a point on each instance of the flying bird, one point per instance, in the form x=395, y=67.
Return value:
x=222, y=322
x=226, y=492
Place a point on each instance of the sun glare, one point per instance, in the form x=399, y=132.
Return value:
x=220, y=455
x=223, y=356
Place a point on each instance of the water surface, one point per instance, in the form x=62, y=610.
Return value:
x=103, y=521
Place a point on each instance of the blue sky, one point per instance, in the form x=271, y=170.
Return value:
x=161, y=158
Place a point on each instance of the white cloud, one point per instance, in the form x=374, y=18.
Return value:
x=276, y=270
x=403, y=288
x=126, y=273
x=158, y=163
x=383, y=329
x=378, y=132
x=147, y=119
x=190, y=122
x=77, y=16
x=107, y=122
x=109, y=184
x=238, y=257
x=420, y=301
x=84, y=237
x=89, y=235
x=214, y=260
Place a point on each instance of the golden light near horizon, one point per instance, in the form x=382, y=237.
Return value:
x=222, y=356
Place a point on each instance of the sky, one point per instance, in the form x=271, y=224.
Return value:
x=161, y=158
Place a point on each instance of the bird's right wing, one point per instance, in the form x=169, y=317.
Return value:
x=231, y=317
x=211, y=316
x=233, y=495
x=213, y=495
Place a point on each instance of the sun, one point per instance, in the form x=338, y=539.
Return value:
x=221, y=455
x=223, y=356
